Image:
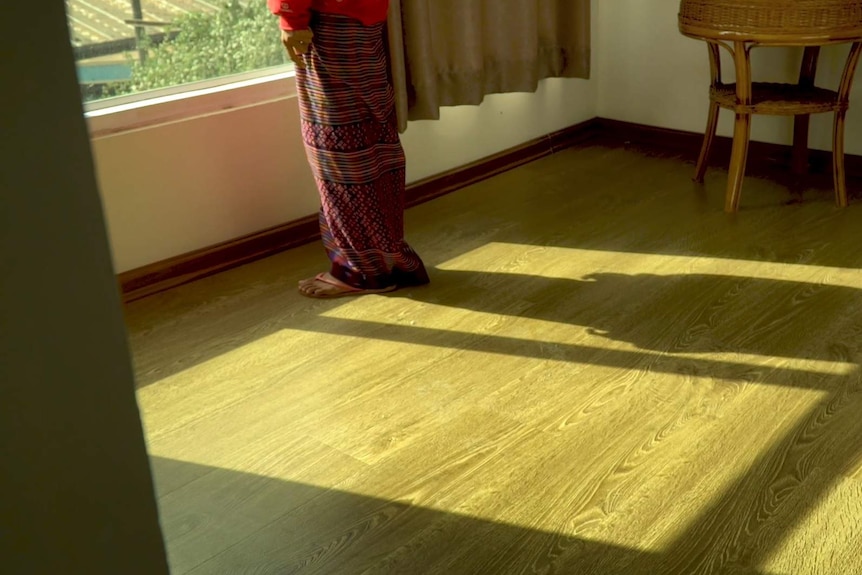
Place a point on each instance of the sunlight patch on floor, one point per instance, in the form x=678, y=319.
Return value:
x=575, y=263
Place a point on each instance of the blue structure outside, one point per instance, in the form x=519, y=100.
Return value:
x=94, y=73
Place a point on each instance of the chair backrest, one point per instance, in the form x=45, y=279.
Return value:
x=773, y=21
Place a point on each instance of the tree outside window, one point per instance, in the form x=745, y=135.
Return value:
x=131, y=46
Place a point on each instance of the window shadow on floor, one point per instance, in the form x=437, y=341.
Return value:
x=664, y=317
x=676, y=313
x=224, y=521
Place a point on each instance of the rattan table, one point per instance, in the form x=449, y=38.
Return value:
x=741, y=25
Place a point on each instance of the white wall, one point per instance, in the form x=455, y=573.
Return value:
x=649, y=73
x=172, y=188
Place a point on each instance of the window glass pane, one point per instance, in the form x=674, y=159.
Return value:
x=130, y=46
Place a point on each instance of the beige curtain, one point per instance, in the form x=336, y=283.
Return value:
x=454, y=52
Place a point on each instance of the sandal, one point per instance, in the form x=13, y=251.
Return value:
x=324, y=286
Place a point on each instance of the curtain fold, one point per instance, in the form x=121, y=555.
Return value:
x=454, y=52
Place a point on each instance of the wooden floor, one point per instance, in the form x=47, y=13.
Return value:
x=607, y=375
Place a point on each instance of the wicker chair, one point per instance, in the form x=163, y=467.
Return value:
x=741, y=25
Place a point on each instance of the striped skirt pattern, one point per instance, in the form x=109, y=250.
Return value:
x=351, y=138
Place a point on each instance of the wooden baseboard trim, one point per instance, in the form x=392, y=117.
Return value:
x=447, y=182
x=160, y=276
x=771, y=160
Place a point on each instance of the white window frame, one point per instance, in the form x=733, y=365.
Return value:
x=123, y=114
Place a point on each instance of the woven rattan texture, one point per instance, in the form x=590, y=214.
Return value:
x=780, y=99
x=772, y=17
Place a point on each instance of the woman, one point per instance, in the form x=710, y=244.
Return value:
x=347, y=108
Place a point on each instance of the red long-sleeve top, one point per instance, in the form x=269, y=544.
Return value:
x=296, y=14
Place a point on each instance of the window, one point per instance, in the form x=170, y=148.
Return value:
x=125, y=47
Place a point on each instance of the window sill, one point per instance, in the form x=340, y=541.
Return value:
x=120, y=115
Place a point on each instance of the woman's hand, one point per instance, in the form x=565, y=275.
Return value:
x=297, y=42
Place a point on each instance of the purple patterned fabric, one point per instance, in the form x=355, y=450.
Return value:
x=351, y=139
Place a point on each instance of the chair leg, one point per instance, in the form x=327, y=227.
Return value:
x=807, y=75
x=742, y=127
x=708, y=139
x=838, y=132
x=800, y=144
x=838, y=173
x=738, y=159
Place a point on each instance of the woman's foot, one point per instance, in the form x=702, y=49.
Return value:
x=325, y=286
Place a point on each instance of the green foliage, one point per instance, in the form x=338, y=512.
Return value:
x=239, y=37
